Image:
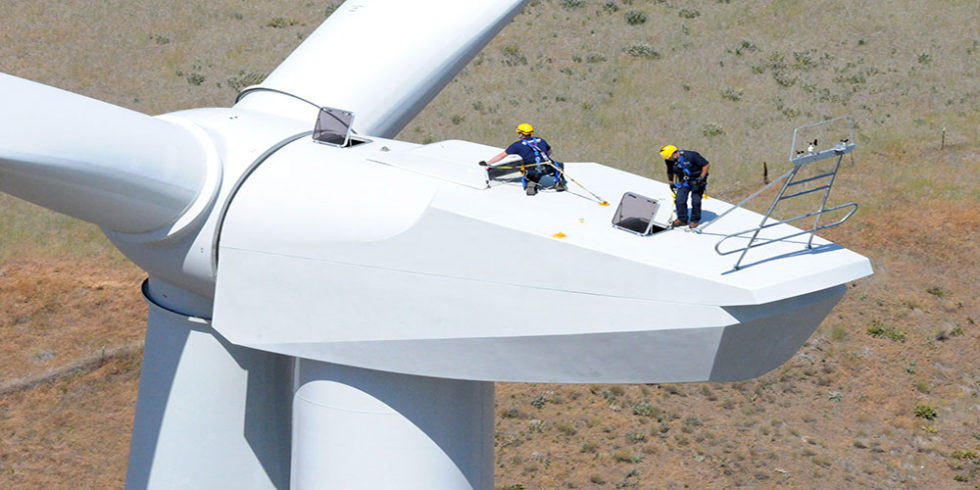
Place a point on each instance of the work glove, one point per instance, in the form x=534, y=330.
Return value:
x=483, y=163
x=699, y=180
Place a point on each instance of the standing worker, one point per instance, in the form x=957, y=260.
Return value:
x=691, y=171
x=534, y=151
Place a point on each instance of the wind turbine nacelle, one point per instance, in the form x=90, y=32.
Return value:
x=399, y=257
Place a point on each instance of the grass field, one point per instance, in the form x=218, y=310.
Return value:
x=886, y=394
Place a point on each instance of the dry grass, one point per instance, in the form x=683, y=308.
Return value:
x=619, y=110
x=840, y=414
x=55, y=312
x=72, y=433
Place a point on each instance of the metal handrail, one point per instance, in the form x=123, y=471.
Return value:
x=799, y=161
x=853, y=205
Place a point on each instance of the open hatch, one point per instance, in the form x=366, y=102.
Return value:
x=641, y=215
x=333, y=127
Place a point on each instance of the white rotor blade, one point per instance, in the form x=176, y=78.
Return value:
x=383, y=60
x=114, y=167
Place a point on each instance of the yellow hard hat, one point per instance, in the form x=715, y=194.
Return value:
x=525, y=128
x=667, y=151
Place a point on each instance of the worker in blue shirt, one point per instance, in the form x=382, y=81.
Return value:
x=537, y=152
x=690, y=170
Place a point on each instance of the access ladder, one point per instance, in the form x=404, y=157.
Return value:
x=800, y=159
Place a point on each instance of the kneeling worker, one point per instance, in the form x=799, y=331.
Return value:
x=691, y=171
x=533, y=151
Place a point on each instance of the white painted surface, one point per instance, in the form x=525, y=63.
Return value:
x=451, y=160
x=186, y=259
x=361, y=429
x=209, y=414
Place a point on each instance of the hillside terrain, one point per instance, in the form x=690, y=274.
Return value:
x=886, y=394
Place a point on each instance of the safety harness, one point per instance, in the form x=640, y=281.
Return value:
x=533, y=143
x=685, y=169
x=555, y=168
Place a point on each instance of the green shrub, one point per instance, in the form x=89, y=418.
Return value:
x=642, y=50
x=511, y=413
x=731, y=94
x=964, y=454
x=710, y=130
x=925, y=412
x=878, y=330
x=783, y=79
x=281, y=22
x=746, y=46
x=539, y=401
x=689, y=13
x=196, y=78
x=644, y=409
x=636, y=436
x=623, y=456
x=804, y=60
x=635, y=17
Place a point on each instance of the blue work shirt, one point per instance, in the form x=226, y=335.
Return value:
x=687, y=167
x=531, y=150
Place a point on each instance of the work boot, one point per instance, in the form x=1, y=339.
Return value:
x=694, y=224
x=678, y=222
x=531, y=189
x=560, y=187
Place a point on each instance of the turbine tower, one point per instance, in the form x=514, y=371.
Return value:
x=307, y=333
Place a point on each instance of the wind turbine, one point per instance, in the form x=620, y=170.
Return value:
x=305, y=332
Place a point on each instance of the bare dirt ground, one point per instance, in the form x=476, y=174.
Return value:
x=70, y=335
x=886, y=394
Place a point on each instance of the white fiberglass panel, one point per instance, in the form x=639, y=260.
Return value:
x=452, y=160
x=308, y=196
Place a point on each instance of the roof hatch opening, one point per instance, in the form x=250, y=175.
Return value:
x=333, y=127
x=641, y=215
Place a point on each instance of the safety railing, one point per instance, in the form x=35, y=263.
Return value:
x=800, y=158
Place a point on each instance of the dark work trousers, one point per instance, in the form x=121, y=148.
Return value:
x=696, y=192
